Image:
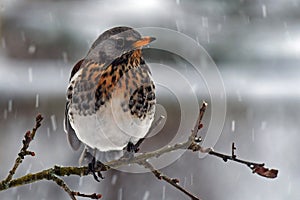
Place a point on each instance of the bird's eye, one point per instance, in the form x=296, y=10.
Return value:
x=120, y=42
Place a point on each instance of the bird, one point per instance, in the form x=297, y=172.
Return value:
x=110, y=98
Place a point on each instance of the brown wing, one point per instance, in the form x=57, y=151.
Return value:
x=76, y=68
x=74, y=142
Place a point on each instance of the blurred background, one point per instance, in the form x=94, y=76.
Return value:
x=254, y=43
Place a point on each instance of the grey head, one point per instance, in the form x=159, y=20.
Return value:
x=115, y=42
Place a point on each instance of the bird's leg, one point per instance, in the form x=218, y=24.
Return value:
x=94, y=164
x=136, y=146
x=130, y=149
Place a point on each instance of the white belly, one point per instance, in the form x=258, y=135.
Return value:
x=110, y=128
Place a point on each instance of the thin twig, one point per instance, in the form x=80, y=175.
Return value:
x=45, y=174
x=173, y=181
x=198, y=124
x=49, y=174
x=257, y=168
x=29, y=136
x=71, y=193
x=233, y=157
x=63, y=185
x=91, y=196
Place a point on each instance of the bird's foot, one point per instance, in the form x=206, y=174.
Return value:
x=130, y=150
x=134, y=148
x=93, y=166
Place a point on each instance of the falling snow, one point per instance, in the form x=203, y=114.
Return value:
x=80, y=182
x=233, y=125
x=197, y=39
x=23, y=36
x=204, y=22
x=219, y=27
x=5, y=114
x=120, y=194
x=288, y=36
x=48, y=132
x=53, y=122
x=14, y=191
x=114, y=179
x=208, y=37
x=30, y=74
x=146, y=195
x=31, y=49
x=248, y=19
x=50, y=16
x=3, y=43
x=264, y=10
x=263, y=125
x=184, y=182
x=10, y=105
x=177, y=26
x=37, y=100
x=29, y=168
x=289, y=187
x=65, y=57
x=42, y=164
x=61, y=73
x=192, y=179
x=163, y=193
x=239, y=96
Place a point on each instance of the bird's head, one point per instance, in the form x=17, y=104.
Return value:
x=115, y=42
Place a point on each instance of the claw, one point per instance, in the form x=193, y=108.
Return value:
x=130, y=150
x=92, y=169
x=130, y=147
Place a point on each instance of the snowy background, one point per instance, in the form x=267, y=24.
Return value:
x=255, y=44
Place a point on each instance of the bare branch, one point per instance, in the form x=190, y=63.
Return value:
x=91, y=196
x=29, y=136
x=173, y=181
x=49, y=174
x=63, y=185
x=257, y=168
x=198, y=124
x=54, y=173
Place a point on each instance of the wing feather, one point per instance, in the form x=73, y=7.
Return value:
x=73, y=140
